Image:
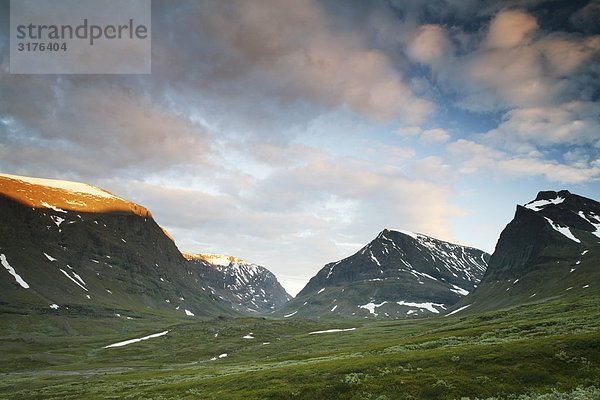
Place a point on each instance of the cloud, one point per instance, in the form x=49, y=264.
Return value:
x=573, y=124
x=472, y=157
x=409, y=131
x=294, y=53
x=431, y=46
x=517, y=65
x=510, y=29
x=435, y=135
x=587, y=17
x=62, y=125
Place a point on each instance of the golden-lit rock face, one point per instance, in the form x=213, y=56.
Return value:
x=215, y=259
x=65, y=196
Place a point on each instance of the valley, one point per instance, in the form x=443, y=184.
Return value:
x=100, y=303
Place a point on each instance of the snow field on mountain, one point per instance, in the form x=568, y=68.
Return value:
x=75, y=187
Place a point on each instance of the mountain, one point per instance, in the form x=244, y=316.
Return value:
x=247, y=287
x=68, y=247
x=550, y=249
x=399, y=274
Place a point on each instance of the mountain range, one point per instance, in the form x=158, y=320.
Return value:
x=68, y=247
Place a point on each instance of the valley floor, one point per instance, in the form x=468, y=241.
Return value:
x=550, y=346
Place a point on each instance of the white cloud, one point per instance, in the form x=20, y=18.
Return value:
x=571, y=124
x=435, y=135
x=471, y=158
x=409, y=131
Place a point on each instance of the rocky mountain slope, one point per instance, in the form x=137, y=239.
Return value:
x=68, y=247
x=550, y=249
x=248, y=287
x=399, y=274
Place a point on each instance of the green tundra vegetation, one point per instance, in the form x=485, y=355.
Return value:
x=549, y=349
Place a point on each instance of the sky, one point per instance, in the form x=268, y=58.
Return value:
x=289, y=133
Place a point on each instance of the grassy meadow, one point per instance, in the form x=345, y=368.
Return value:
x=544, y=350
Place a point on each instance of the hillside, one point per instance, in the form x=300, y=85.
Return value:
x=550, y=249
x=68, y=247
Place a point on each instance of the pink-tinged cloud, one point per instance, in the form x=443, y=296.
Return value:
x=303, y=57
x=430, y=46
x=509, y=29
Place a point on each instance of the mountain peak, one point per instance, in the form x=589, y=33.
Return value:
x=247, y=287
x=221, y=260
x=414, y=235
x=63, y=196
x=551, y=194
x=549, y=249
x=399, y=274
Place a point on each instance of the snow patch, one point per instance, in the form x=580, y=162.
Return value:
x=50, y=206
x=332, y=331
x=331, y=269
x=189, y=313
x=321, y=291
x=374, y=259
x=64, y=185
x=130, y=341
x=409, y=233
x=458, y=310
x=57, y=220
x=54, y=306
x=459, y=290
x=50, y=258
x=427, y=305
x=73, y=279
x=248, y=336
x=539, y=205
x=334, y=307
x=291, y=315
x=594, y=220
x=12, y=271
x=563, y=230
x=372, y=306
